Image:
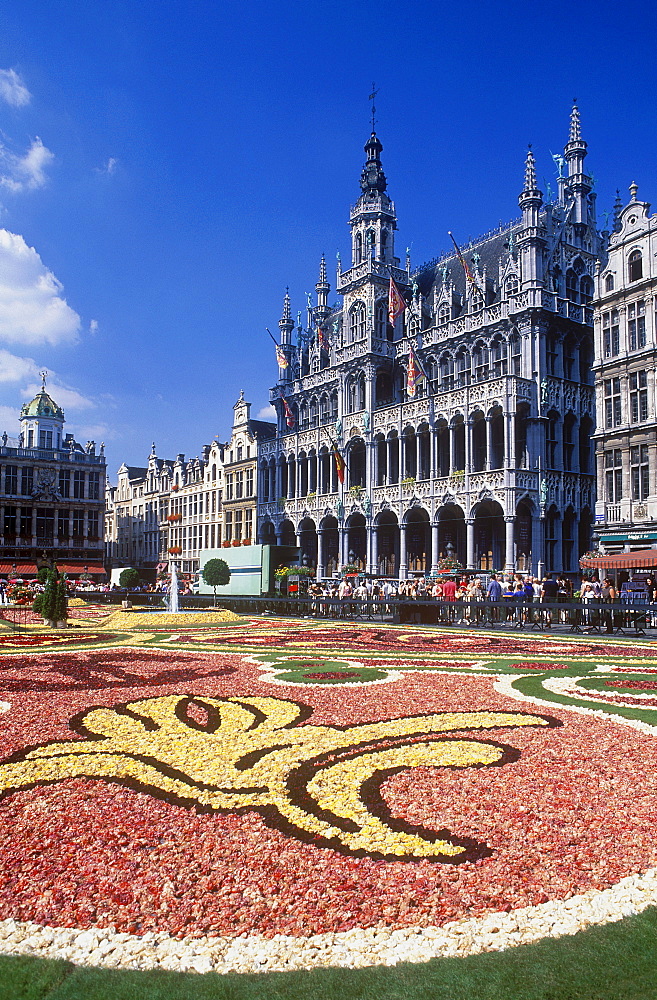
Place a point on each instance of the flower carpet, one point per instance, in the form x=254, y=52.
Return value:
x=267, y=794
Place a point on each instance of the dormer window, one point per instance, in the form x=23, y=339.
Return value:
x=635, y=265
x=609, y=283
x=512, y=285
x=444, y=313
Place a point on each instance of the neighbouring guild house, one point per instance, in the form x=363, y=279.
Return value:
x=626, y=359
x=52, y=496
x=170, y=509
x=443, y=411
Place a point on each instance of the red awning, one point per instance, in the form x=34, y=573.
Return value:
x=29, y=569
x=643, y=559
x=90, y=568
x=21, y=568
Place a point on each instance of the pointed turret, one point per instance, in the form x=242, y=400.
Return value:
x=579, y=184
x=530, y=199
x=286, y=323
x=531, y=242
x=618, y=208
x=322, y=288
x=575, y=149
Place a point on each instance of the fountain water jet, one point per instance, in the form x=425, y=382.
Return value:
x=172, y=598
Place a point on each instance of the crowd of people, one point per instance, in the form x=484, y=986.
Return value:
x=504, y=598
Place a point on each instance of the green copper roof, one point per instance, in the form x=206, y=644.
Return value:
x=42, y=406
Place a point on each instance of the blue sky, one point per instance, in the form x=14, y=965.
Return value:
x=167, y=168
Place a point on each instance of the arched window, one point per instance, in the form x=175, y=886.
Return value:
x=446, y=372
x=358, y=249
x=515, y=348
x=371, y=243
x=480, y=362
x=512, y=285
x=586, y=289
x=313, y=413
x=572, y=290
x=609, y=283
x=384, y=242
x=381, y=319
x=444, y=313
x=357, y=322
x=498, y=356
x=463, y=368
x=476, y=301
x=636, y=265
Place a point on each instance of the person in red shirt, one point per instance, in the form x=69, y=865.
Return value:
x=449, y=594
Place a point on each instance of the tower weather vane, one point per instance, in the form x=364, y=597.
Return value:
x=371, y=98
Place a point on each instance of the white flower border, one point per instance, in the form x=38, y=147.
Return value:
x=357, y=948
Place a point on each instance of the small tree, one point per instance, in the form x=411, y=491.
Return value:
x=48, y=602
x=129, y=578
x=62, y=600
x=216, y=573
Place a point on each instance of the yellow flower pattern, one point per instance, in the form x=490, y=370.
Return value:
x=320, y=783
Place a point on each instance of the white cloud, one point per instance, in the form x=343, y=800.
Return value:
x=69, y=399
x=93, y=326
x=25, y=173
x=92, y=432
x=32, y=310
x=9, y=420
x=267, y=413
x=12, y=88
x=13, y=369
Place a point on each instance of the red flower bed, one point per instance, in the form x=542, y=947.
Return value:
x=565, y=810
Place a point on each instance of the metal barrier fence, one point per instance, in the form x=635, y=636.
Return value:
x=590, y=616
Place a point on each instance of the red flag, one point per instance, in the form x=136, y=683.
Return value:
x=280, y=356
x=466, y=269
x=340, y=465
x=396, y=304
x=322, y=339
x=289, y=416
x=412, y=373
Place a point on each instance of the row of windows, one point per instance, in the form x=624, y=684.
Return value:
x=46, y=440
x=239, y=484
x=636, y=329
x=198, y=504
x=639, y=473
x=18, y=521
x=70, y=484
x=638, y=399
x=238, y=525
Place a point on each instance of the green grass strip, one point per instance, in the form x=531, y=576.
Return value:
x=533, y=686
x=615, y=962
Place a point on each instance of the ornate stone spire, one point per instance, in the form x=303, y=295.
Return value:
x=322, y=287
x=575, y=127
x=575, y=149
x=618, y=208
x=286, y=323
x=530, y=171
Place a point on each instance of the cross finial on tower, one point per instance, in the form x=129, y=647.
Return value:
x=372, y=98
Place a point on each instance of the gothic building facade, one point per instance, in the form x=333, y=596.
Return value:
x=490, y=460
